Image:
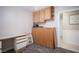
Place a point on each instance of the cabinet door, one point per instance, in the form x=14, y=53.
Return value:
x=34, y=34
x=37, y=36
x=0, y=44
x=41, y=37
x=36, y=16
x=48, y=13
x=49, y=38
x=42, y=15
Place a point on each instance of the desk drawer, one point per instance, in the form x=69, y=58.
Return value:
x=20, y=45
x=18, y=41
x=0, y=44
x=21, y=38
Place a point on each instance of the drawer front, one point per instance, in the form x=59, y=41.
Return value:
x=20, y=45
x=0, y=44
x=30, y=35
x=20, y=38
x=18, y=41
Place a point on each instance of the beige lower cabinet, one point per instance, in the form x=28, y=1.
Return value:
x=44, y=36
x=0, y=46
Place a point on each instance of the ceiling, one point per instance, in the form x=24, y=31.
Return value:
x=33, y=8
x=38, y=7
x=28, y=8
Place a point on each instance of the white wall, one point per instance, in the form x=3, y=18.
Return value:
x=56, y=22
x=15, y=21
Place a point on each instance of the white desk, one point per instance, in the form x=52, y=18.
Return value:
x=16, y=42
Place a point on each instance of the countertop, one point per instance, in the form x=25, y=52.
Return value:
x=11, y=37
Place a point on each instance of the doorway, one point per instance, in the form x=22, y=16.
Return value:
x=69, y=29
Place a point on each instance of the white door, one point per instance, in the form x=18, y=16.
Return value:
x=71, y=30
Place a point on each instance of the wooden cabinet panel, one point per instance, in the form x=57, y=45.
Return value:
x=34, y=34
x=47, y=13
x=49, y=38
x=42, y=15
x=0, y=44
x=36, y=16
x=41, y=36
x=44, y=36
x=37, y=36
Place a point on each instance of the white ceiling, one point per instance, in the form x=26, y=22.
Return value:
x=29, y=8
x=33, y=8
x=38, y=7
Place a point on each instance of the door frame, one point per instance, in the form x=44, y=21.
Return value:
x=61, y=12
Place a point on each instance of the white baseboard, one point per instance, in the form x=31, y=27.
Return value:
x=69, y=46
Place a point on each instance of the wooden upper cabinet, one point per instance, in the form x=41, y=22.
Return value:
x=36, y=16
x=44, y=14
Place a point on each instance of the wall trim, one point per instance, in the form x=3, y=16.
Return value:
x=69, y=46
